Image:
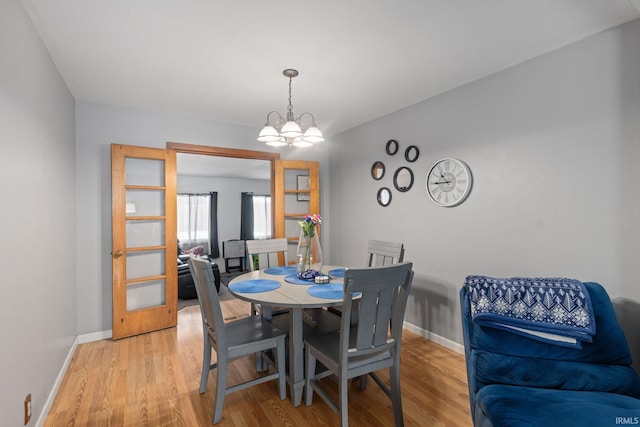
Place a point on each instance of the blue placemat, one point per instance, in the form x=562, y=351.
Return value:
x=281, y=271
x=330, y=291
x=255, y=285
x=336, y=272
x=293, y=279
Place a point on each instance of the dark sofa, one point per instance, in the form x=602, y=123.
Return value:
x=186, y=287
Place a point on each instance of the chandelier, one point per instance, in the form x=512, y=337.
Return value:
x=279, y=131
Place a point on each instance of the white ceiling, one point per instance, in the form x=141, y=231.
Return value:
x=358, y=59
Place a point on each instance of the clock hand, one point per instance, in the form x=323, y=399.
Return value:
x=445, y=180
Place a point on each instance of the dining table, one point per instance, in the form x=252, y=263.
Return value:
x=306, y=302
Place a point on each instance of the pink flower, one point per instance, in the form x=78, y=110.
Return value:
x=309, y=225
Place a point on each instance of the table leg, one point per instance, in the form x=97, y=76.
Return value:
x=296, y=356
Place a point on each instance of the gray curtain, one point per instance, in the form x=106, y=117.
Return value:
x=213, y=224
x=246, y=216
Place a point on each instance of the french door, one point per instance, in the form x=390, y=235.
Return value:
x=144, y=241
x=144, y=230
x=296, y=187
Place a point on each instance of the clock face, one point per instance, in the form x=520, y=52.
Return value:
x=449, y=182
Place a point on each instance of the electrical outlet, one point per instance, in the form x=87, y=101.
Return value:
x=27, y=409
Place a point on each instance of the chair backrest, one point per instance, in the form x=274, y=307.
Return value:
x=380, y=253
x=267, y=251
x=381, y=306
x=204, y=282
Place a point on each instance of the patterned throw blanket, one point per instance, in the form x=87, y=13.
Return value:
x=552, y=310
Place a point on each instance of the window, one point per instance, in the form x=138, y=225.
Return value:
x=193, y=221
x=261, y=217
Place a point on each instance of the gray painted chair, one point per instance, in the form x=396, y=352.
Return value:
x=355, y=351
x=381, y=253
x=232, y=340
x=267, y=252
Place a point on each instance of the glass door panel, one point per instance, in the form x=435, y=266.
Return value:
x=145, y=233
x=142, y=203
x=145, y=264
x=145, y=294
x=146, y=172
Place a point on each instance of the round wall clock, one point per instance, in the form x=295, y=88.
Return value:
x=449, y=182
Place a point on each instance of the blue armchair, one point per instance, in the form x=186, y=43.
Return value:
x=517, y=381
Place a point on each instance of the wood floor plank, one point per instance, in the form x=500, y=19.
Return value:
x=154, y=379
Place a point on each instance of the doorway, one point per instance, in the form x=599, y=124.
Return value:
x=233, y=175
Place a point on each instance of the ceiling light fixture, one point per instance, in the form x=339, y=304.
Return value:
x=279, y=131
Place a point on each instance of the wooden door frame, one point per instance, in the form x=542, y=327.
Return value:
x=237, y=153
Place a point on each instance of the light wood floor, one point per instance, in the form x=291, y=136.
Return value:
x=153, y=380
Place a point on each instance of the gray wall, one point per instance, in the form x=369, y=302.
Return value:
x=553, y=145
x=99, y=126
x=38, y=322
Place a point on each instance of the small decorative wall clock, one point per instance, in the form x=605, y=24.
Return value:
x=449, y=182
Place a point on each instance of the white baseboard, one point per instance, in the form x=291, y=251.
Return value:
x=80, y=339
x=445, y=342
x=95, y=336
x=56, y=385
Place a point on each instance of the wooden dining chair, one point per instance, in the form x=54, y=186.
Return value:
x=371, y=345
x=233, y=340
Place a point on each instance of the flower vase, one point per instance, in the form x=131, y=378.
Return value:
x=309, y=253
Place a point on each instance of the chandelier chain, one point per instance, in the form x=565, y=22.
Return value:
x=290, y=107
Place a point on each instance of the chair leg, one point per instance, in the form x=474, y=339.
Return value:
x=344, y=401
x=206, y=365
x=396, y=397
x=282, y=374
x=309, y=377
x=363, y=382
x=261, y=365
x=221, y=390
x=259, y=362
